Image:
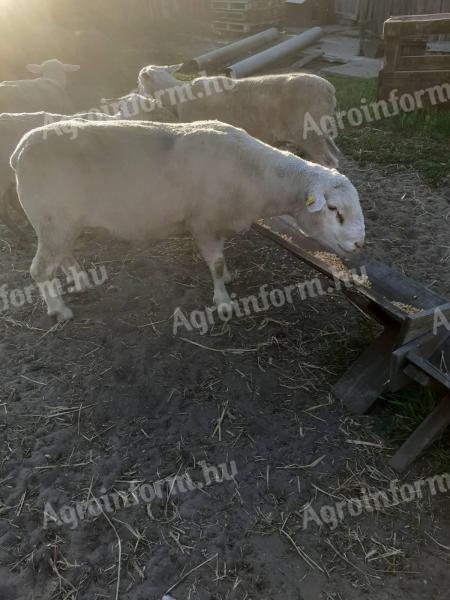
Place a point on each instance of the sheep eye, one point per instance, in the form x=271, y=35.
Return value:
x=339, y=217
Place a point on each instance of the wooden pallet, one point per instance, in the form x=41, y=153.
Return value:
x=244, y=5
x=265, y=15
x=310, y=13
x=403, y=353
x=407, y=67
x=245, y=16
x=236, y=27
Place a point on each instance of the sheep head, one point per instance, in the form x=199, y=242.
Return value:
x=331, y=212
x=154, y=78
x=53, y=69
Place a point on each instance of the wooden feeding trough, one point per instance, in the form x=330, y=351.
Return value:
x=408, y=67
x=408, y=350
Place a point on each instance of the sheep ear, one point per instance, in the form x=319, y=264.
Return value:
x=174, y=68
x=71, y=68
x=315, y=202
x=35, y=69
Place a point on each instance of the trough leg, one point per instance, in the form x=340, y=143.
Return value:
x=424, y=436
x=368, y=377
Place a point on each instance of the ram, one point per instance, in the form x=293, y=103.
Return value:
x=293, y=108
x=145, y=180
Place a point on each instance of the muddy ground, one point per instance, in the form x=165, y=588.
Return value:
x=115, y=397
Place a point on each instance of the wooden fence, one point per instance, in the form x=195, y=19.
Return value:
x=378, y=11
x=131, y=11
x=160, y=10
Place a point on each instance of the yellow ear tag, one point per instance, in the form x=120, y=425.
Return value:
x=310, y=200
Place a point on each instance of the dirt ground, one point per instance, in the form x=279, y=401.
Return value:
x=115, y=397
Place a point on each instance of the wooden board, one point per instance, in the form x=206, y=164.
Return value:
x=427, y=62
x=410, y=25
x=425, y=435
x=424, y=348
x=428, y=360
x=406, y=82
x=368, y=377
x=388, y=285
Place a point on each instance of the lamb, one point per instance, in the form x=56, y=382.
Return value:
x=47, y=92
x=276, y=109
x=207, y=179
x=14, y=126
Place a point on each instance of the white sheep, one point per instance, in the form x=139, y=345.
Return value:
x=138, y=107
x=276, y=109
x=47, y=92
x=144, y=180
x=14, y=126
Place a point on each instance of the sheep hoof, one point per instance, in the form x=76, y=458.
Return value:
x=79, y=288
x=62, y=315
x=224, y=305
x=222, y=299
x=67, y=315
x=78, y=285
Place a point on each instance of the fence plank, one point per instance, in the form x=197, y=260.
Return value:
x=158, y=10
x=347, y=8
x=383, y=9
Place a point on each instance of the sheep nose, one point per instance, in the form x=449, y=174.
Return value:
x=359, y=246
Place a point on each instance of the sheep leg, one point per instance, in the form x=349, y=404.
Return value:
x=77, y=279
x=43, y=270
x=211, y=249
x=227, y=277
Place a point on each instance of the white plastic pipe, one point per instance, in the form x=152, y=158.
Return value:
x=263, y=59
x=231, y=51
